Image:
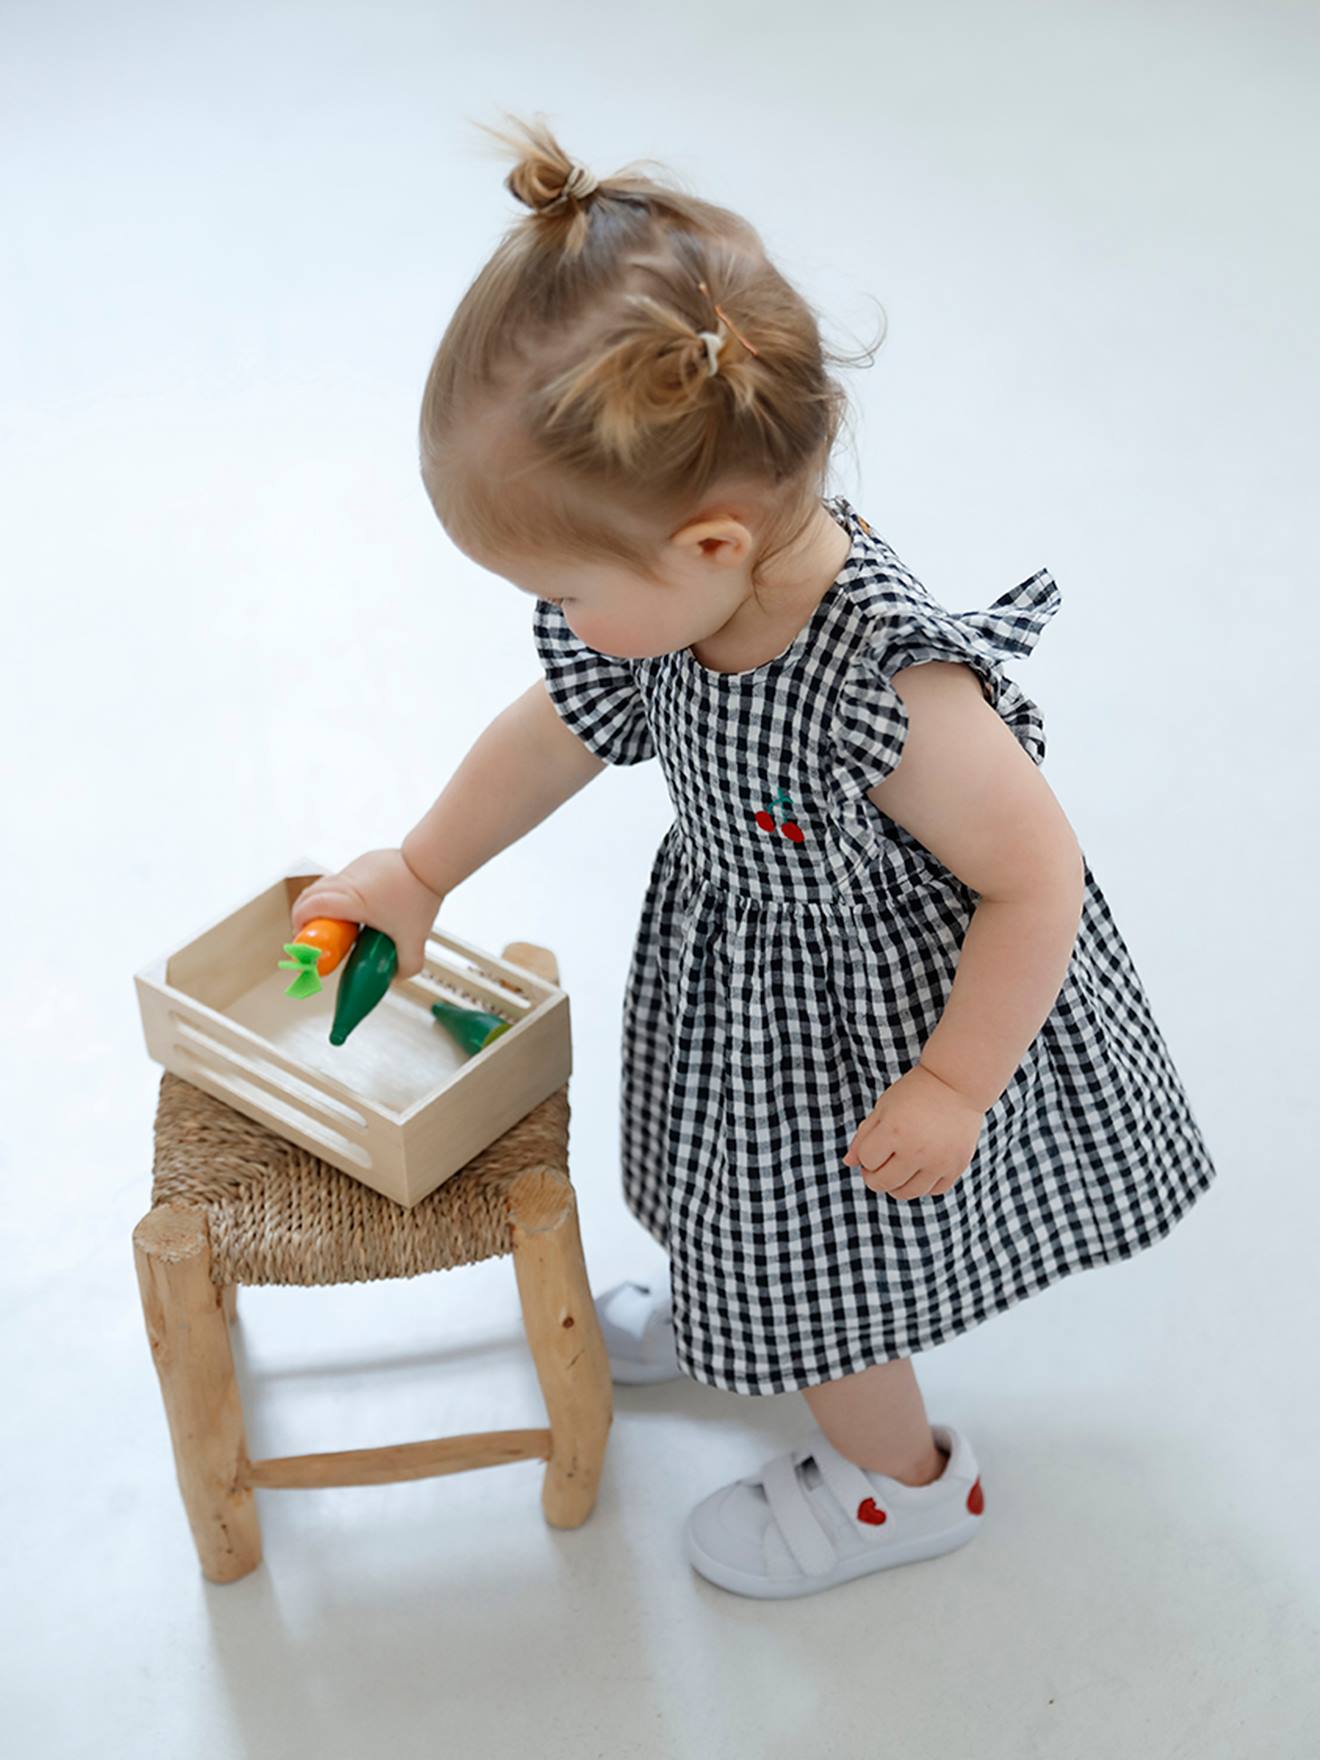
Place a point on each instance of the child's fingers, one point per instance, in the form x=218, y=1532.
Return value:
x=874, y=1142
x=949, y=1179
x=893, y=1172
x=305, y=907
x=861, y=1136
x=921, y=1183
x=411, y=960
x=328, y=901
x=864, y=1138
x=319, y=893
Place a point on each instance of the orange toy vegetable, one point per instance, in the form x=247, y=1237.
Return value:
x=332, y=936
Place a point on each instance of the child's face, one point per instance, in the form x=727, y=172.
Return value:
x=703, y=576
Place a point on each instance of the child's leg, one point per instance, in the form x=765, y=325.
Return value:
x=877, y=1418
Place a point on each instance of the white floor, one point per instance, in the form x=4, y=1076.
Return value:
x=235, y=635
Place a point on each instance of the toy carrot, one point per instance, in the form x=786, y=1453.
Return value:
x=318, y=948
x=315, y=951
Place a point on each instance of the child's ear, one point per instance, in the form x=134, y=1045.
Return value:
x=720, y=539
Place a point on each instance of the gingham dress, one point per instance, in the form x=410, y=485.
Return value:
x=795, y=951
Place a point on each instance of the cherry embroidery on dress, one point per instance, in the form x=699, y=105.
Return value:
x=765, y=818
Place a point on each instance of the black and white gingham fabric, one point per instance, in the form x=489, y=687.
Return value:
x=794, y=953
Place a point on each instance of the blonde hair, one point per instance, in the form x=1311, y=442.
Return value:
x=587, y=392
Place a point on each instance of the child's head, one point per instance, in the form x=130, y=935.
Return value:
x=593, y=427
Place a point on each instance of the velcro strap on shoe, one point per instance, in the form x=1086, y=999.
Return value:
x=846, y=1480
x=810, y=1545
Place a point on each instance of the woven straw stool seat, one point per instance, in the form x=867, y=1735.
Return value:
x=276, y=1213
x=234, y=1203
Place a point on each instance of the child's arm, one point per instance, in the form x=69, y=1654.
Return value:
x=524, y=765
x=969, y=792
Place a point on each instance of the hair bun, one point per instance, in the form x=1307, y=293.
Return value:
x=578, y=185
x=546, y=187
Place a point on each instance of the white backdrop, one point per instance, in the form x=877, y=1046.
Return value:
x=234, y=633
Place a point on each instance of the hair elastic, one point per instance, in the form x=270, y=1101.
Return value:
x=579, y=184
x=725, y=318
x=714, y=343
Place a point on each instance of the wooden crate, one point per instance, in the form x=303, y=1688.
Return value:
x=399, y=1106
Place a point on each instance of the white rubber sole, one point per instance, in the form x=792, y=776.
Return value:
x=861, y=1564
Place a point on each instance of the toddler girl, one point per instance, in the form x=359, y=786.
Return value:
x=887, y=1066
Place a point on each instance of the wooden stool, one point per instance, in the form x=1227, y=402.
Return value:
x=233, y=1203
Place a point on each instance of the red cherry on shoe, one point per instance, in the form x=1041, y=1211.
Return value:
x=792, y=831
x=765, y=820
x=869, y=1511
x=976, y=1499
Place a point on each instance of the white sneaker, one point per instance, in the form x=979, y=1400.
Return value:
x=792, y=1528
x=637, y=1320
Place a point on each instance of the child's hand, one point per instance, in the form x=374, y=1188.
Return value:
x=918, y=1139
x=380, y=890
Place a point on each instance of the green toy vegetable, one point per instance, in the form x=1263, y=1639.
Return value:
x=472, y=1027
x=367, y=975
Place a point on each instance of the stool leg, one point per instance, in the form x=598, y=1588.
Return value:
x=189, y=1341
x=229, y=1301
x=565, y=1339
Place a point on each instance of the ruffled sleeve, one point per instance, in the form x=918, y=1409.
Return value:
x=596, y=696
x=910, y=626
